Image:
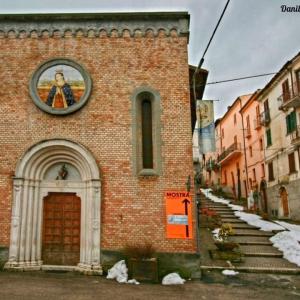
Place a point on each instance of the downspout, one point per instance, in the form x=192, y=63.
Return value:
x=244, y=142
x=221, y=152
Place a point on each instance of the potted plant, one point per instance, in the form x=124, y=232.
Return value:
x=221, y=238
x=142, y=264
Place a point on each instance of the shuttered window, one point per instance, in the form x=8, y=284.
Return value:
x=286, y=91
x=271, y=171
x=292, y=165
x=291, y=122
x=269, y=137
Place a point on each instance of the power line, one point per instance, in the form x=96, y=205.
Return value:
x=202, y=59
x=241, y=78
x=236, y=79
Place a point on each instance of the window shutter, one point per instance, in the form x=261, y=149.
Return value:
x=269, y=138
x=270, y=171
x=293, y=121
x=292, y=165
x=287, y=120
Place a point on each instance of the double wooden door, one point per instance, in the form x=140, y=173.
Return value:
x=61, y=229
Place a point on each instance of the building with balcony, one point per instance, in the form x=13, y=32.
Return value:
x=253, y=119
x=280, y=105
x=228, y=161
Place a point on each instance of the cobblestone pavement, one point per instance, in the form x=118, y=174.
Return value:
x=213, y=286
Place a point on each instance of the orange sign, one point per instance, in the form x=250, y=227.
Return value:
x=179, y=215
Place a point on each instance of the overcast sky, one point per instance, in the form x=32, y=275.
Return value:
x=254, y=37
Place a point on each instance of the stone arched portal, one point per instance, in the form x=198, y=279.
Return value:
x=34, y=179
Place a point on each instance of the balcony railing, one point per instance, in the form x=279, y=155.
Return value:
x=229, y=153
x=212, y=165
x=291, y=97
x=295, y=136
x=265, y=118
x=257, y=123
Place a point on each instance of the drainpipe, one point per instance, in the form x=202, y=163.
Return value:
x=221, y=151
x=244, y=142
x=292, y=82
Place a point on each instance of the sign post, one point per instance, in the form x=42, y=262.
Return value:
x=179, y=215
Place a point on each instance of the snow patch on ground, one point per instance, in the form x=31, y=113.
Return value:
x=172, y=278
x=120, y=272
x=215, y=233
x=256, y=221
x=208, y=194
x=236, y=207
x=229, y=272
x=291, y=227
x=286, y=241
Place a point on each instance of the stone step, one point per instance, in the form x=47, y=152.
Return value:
x=232, y=221
x=251, y=240
x=223, y=210
x=274, y=263
x=242, y=226
x=230, y=217
x=250, y=232
x=217, y=208
x=260, y=250
x=214, y=206
x=227, y=215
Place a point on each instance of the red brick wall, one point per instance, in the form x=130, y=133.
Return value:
x=132, y=208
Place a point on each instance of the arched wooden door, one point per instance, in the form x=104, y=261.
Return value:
x=61, y=229
x=284, y=201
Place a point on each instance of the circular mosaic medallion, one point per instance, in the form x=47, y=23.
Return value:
x=60, y=86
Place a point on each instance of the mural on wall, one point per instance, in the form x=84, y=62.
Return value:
x=60, y=86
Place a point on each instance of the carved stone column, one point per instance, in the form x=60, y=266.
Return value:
x=13, y=262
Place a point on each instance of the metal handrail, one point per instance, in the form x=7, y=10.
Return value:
x=296, y=133
x=265, y=117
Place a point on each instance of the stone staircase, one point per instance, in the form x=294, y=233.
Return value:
x=259, y=254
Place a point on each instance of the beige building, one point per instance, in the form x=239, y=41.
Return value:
x=280, y=106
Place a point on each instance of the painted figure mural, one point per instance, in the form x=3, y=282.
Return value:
x=60, y=95
x=60, y=86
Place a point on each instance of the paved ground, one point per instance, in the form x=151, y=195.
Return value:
x=213, y=286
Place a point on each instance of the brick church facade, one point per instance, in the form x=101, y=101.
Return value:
x=91, y=156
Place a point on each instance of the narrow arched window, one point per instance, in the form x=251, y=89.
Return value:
x=146, y=132
x=147, y=138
